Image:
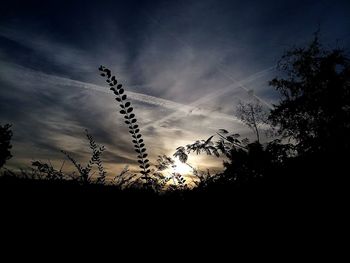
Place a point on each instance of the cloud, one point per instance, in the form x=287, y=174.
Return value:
x=185, y=65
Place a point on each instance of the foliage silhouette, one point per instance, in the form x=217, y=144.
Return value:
x=166, y=162
x=85, y=172
x=222, y=146
x=5, y=143
x=49, y=172
x=131, y=121
x=253, y=115
x=315, y=106
x=96, y=158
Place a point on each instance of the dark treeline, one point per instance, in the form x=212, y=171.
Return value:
x=304, y=162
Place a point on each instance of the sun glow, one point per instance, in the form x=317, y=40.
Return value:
x=181, y=168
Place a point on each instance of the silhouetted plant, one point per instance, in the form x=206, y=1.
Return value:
x=126, y=179
x=166, y=162
x=5, y=143
x=253, y=115
x=315, y=106
x=46, y=171
x=84, y=172
x=222, y=146
x=131, y=121
x=229, y=141
x=96, y=158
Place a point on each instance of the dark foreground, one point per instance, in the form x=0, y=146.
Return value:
x=27, y=197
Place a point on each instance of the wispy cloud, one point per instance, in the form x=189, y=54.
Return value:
x=185, y=65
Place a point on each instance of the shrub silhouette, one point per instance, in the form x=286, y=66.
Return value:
x=5, y=143
x=85, y=172
x=315, y=106
x=253, y=115
x=45, y=171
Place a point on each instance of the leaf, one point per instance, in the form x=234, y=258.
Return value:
x=103, y=74
x=223, y=131
x=141, y=166
x=108, y=72
x=137, y=130
x=122, y=112
x=137, y=150
x=121, y=91
x=139, y=136
x=135, y=126
x=139, y=161
x=147, y=165
x=130, y=110
x=132, y=115
x=209, y=139
x=127, y=104
x=146, y=161
x=119, y=86
x=133, y=120
x=118, y=99
x=141, y=140
x=144, y=155
x=122, y=106
x=124, y=97
x=230, y=139
x=127, y=122
x=143, y=150
x=126, y=117
x=134, y=141
x=142, y=144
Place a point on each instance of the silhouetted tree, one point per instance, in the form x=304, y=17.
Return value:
x=315, y=106
x=5, y=143
x=253, y=115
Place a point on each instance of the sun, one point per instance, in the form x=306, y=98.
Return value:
x=181, y=168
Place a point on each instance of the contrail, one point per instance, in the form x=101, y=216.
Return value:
x=213, y=95
x=217, y=65
x=56, y=80
x=241, y=85
x=132, y=95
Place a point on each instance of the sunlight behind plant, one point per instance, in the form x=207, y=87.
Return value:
x=181, y=168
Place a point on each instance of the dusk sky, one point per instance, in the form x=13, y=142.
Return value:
x=184, y=64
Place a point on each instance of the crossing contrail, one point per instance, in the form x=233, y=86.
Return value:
x=211, y=96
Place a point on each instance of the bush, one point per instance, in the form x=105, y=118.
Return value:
x=5, y=143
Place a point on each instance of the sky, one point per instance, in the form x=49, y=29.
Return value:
x=185, y=66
